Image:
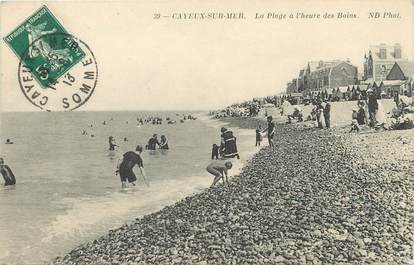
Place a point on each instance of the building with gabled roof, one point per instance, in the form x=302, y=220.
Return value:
x=401, y=71
x=323, y=75
x=400, y=78
x=380, y=60
x=333, y=74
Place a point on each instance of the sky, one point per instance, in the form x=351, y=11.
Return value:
x=170, y=64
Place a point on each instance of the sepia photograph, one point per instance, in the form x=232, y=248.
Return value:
x=206, y=132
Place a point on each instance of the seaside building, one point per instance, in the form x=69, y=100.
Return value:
x=379, y=61
x=292, y=86
x=400, y=79
x=324, y=76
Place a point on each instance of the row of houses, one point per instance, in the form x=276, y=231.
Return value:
x=385, y=67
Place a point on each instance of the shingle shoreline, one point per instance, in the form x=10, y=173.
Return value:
x=309, y=202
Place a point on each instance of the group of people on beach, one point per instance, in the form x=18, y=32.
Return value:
x=365, y=113
x=369, y=113
x=226, y=150
x=227, y=147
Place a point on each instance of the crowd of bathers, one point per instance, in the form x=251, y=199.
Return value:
x=153, y=142
x=140, y=121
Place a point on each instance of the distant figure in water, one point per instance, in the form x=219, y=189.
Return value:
x=104, y=122
x=126, y=164
x=92, y=135
x=112, y=143
x=152, y=142
x=8, y=141
x=219, y=170
x=125, y=139
x=7, y=174
x=164, y=143
x=84, y=132
x=215, y=151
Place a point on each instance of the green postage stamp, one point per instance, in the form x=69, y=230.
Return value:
x=56, y=70
x=45, y=47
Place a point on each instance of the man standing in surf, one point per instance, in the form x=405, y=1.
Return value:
x=126, y=164
x=7, y=173
x=270, y=132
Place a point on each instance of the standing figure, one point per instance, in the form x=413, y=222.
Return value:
x=372, y=107
x=7, y=173
x=126, y=164
x=258, y=137
x=164, y=143
x=215, y=152
x=112, y=143
x=327, y=114
x=319, y=110
x=270, y=131
x=153, y=142
x=228, y=144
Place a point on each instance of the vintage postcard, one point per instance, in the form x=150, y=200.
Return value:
x=207, y=132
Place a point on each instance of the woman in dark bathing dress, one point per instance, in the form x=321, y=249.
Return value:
x=228, y=144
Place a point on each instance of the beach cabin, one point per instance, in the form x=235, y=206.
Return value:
x=298, y=97
x=391, y=87
x=342, y=93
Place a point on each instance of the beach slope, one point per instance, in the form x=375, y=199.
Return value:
x=322, y=197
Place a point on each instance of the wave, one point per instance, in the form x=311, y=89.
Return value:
x=88, y=217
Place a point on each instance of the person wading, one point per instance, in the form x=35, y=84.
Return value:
x=7, y=173
x=126, y=164
x=153, y=142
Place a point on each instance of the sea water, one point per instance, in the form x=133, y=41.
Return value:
x=67, y=192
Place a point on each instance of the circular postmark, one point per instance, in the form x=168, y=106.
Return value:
x=58, y=72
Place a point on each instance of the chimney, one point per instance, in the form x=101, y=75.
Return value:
x=383, y=51
x=397, y=51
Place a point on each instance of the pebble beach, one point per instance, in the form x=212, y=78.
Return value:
x=323, y=197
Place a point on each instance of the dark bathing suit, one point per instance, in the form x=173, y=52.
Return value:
x=8, y=176
x=230, y=146
x=129, y=161
x=152, y=144
x=270, y=130
x=164, y=145
x=111, y=146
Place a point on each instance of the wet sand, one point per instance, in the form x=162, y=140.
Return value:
x=323, y=197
